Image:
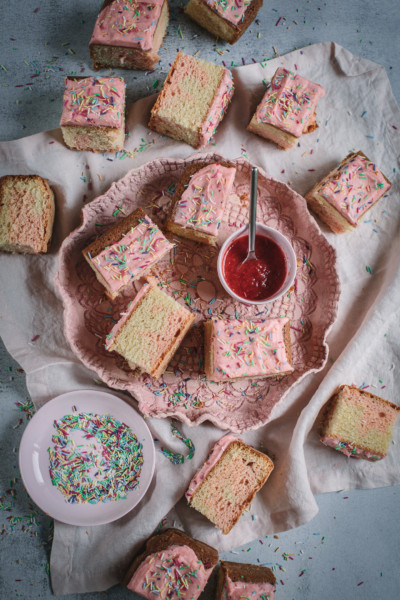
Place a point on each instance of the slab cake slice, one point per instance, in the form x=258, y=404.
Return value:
x=287, y=109
x=151, y=330
x=129, y=35
x=228, y=481
x=241, y=580
x=199, y=201
x=126, y=252
x=253, y=349
x=193, y=100
x=348, y=192
x=358, y=423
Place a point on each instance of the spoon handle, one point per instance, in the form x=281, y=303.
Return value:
x=253, y=209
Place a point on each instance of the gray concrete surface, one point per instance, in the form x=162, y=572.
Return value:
x=350, y=549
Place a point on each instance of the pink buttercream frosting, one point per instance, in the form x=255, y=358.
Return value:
x=218, y=107
x=237, y=590
x=248, y=348
x=231, y=10
x=174, y=573
x=354, y=187
x=140, y=248
x=350, y=449
x=202, y=204
x=290, y=102
x=127, y=23
x=97, y=101
x=214, y=456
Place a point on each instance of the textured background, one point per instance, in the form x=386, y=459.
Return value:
x=350, y=548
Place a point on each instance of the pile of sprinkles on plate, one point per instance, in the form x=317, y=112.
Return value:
x=105, y=467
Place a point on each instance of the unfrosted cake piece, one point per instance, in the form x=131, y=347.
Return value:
x=193, y=100
x=199, y=201
x=128, y=35
x=226, y=19
x=26, y=214
x=228, y=481
x=287, y=109
x=241, y=580
x=255, y=349
x=358, y=424
x=172, y=566
x=150, y=331
x=93, y=116
x=347, y=192
x=126, y=251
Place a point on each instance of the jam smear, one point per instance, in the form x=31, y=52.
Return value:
x=260, y=278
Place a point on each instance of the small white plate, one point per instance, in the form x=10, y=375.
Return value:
x=34, y=457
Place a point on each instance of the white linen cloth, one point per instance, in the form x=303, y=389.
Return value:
x=358, y=112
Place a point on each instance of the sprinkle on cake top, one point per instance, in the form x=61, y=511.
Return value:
x=202, y=204
x=135, y=252
x=290, y=102
x=128, y=23
x=231, y=10
x=175, y=573
x=97, y=101
x=248, y=348
x=354, y=187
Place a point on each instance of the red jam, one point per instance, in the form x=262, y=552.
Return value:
x=258, y=279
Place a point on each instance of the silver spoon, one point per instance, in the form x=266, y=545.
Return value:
x=251, y=254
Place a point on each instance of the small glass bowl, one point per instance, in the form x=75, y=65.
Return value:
x=281, y=241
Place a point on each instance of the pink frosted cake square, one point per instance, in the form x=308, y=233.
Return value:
x=347, y=192
x=226, y=19
x=128, y=35
x=126, y=251
x=199, y=201
x=193, y=100
x=237, y=581
x=254, y=349
x=287, y=110
x=93, y=116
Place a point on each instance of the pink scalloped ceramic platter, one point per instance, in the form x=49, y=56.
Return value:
x=189, y=274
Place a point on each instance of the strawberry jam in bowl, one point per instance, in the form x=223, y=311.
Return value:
x=260, y=280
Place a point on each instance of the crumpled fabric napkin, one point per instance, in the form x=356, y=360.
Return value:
x=358, y=112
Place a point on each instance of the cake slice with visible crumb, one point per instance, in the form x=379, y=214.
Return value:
x=226, y=19
x=126, y=252
x=128, y=35
x=193, y=100
x=243, y=580
x=150, y=331
x=235, y=348
x=348, y=192
x=287, y=109
x=26, y=214
x=199, y=201
x=228, y=481
x=93, y=116
x=172, y=565
x=358, y=424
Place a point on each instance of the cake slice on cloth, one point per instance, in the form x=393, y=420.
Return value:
x=348, y=192
x=226, y=19
x=287, y=110
x=254, y=349
x=358, y=424
x=199, y=201
x=93, y=115
x=241, y=580
x=193, y=100
x=172, y=566
x=128, y=35
x=26, y=214
x=151, y=330
x=126, y=252
x=228, y=481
